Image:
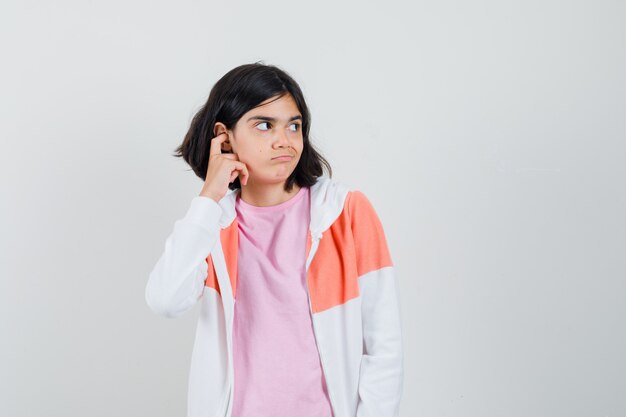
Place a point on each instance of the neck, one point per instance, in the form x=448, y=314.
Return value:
x=265, y=195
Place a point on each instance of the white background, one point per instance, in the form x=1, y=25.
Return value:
x=489, y=136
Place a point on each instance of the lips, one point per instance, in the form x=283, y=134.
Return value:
x=283, y=156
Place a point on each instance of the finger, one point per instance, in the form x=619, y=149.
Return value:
x=231, y=156
x=216, y=143
x=237, y=168
x=245, y=174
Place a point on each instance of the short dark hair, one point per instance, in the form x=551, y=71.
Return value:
x=237, y=92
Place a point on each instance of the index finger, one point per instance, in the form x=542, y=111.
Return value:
x=215, y=148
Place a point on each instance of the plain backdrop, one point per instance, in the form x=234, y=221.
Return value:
x=488, y=135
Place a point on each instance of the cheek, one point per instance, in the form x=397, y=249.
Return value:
x=253, y=155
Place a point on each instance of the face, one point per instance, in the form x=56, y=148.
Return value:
x=268, y=131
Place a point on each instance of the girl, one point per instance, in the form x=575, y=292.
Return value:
x=299, y=310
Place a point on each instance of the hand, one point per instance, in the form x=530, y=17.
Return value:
x=222, y=169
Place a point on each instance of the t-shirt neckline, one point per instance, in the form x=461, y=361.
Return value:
x=280, y=206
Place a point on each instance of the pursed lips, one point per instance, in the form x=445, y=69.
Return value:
x=283, y=156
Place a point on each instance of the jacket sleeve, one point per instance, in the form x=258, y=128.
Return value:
x=381, y=372
x=177, y=280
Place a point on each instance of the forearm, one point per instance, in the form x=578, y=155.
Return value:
x=177, y=279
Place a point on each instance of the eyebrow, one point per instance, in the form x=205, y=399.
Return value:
x=273, y=119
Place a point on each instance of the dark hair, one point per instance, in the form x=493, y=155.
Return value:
x=237, y=92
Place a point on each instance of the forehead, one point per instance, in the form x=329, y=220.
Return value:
x=276, y=109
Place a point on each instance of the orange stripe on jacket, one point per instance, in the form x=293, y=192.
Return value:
x=352, y=246
x=369, y=236
x=229, y=238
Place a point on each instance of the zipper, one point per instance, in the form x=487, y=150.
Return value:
x=231, y=382
x=314, y=246
x=227, y=402
x=231, y=386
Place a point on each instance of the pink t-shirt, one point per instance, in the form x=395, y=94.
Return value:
x=277, y=366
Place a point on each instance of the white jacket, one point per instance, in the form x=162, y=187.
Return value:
x=353, y=299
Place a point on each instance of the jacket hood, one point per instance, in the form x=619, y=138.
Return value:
x=327, y=201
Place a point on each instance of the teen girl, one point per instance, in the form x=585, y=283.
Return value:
x=299, y=311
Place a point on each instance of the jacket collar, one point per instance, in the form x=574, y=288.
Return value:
x=327, y=201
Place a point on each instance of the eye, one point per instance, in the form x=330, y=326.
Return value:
x=263, y=123
x=297, y=125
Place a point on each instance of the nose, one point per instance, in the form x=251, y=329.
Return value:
x=282, y=140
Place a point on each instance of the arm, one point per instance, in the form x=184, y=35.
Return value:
x=381, y=373
x=177, y=280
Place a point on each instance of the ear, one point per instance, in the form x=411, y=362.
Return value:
x=221, y=128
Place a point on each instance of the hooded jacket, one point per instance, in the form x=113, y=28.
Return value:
x=352, y=293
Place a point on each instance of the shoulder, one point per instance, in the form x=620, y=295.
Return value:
x=352, y=196
x=338, y=193
x=358, y=204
